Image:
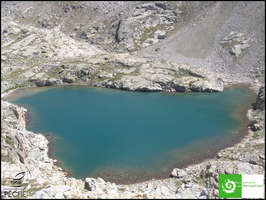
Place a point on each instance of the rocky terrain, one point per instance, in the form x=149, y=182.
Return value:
x=135, y=46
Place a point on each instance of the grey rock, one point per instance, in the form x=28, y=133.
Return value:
x=148, y=6
x=256, y=126
x=51, y=82
x=178, y=173
x=162, y=5
x=69, y=79
x=40, y=82
x=90, y=184
x=149, y=41
x=260, y=100
x=160, y=34
x=83, y=35
x=204, y=192
x=236, y=50
x=237, y=43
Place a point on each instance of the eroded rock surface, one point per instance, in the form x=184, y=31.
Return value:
x=236, y=42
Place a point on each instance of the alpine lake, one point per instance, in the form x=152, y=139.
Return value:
x=127, y=137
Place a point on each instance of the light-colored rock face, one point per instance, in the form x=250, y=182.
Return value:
x=59, y=59
x=147, y=25
x=236, y=42
x=169, y=77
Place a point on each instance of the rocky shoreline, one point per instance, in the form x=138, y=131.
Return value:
x=144, y=177
x=99, y=188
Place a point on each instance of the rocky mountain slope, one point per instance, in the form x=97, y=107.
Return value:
x=136, y=46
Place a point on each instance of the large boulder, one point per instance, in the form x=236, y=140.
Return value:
x=40, y=82
x=45, y=82
x=178, y=173
x=260, y=101
x=51, y=82
x=91, y=184
x=69, y=79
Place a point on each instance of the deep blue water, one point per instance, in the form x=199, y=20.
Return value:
x=102, y=131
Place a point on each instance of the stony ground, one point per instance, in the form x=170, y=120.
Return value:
x=136, y=46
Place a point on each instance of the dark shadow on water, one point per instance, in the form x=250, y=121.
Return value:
x=191, y=154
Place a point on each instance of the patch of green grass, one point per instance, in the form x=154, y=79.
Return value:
x=135, y=73
x=16, y=73
x=199, y=180
x=141, y=196
x=259, y=146
x=117, y=76
x=19, y=86
x=9, y=141
x=258, y=135
x=121, y=189
x=192, y=82
x=54, y=72
x=5, y=181
x=17, y=39
x=4, y=159
x=186, y=72
x=178, y=183
x=149, y=32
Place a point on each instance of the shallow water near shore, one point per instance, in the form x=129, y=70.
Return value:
x=127, y=137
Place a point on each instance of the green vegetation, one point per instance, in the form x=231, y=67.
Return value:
x=149, y=32
x=199, y=180
x=25, y=84
x=9, y=141
x=117, y=76
x=16, y=73
x=260, y=146
x=54, y=72
x=5, y=181
x=4, y=159
x=17, y=39
x=178, y=183
x=122, y=189
x=141, y=196
x=258, y=135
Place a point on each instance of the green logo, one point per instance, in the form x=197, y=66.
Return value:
x=230, y=186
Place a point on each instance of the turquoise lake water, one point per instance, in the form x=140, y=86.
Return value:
x=129, y=136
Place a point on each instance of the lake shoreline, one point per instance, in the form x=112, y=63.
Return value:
x=193, y=161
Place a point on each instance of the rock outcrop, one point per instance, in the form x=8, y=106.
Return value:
x=169, y=77
x=260, y=101
x=236, y=42
x=148, y=24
